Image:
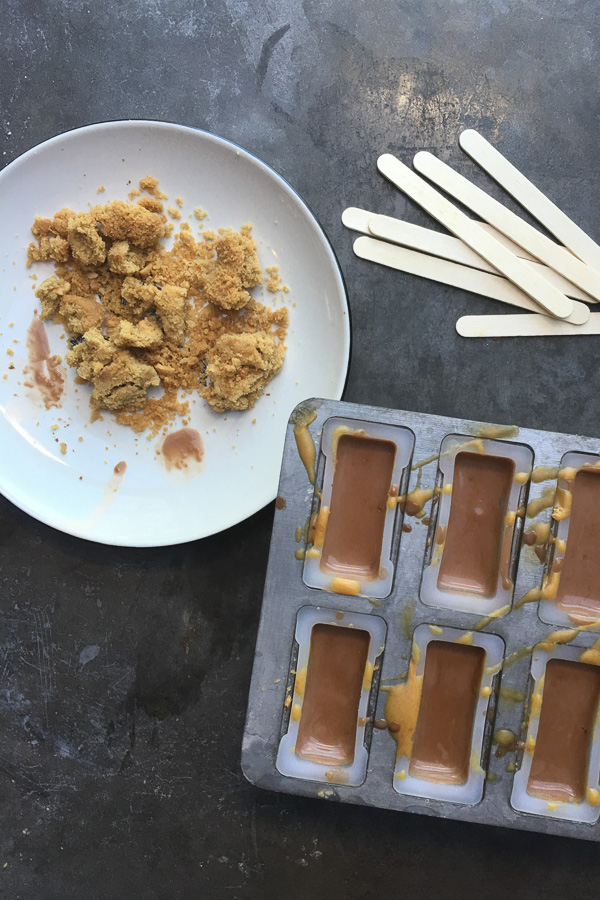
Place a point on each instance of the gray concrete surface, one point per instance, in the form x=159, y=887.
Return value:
x=123, y=673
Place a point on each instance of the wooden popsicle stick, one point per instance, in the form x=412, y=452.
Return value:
x=509, y=223
x=548, y=297
x=526, y=325
x=510, y=245
x=455, y=275
x=427, y=241
x=357, y=219
x=531, y=198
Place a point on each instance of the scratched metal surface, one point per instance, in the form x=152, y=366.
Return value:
x=285, y=593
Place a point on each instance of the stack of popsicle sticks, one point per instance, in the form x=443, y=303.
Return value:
x=502, y=256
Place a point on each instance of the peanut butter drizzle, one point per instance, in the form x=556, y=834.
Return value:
x=466, y=638
x=300, y=682
x=416, y=500
x=367, y=677
x=498, y=431
x=505, y=554
x=550, y=585
x=402, y=710
x=43, y=371
x=544, y=473
x=537, y=534
x=321, y=526
x=538, y=504
x=568, y=474
x=337, y=776
x=561, y=636
x=535, y=704
x=531, y=596
x=562, y=504
x=505, y=742
x=339, y=432
x=345, y=586
x=424, y=462
x=475, y=442
x=511, y=695
x=593, y=797
x=592, y=654
x=304, y=441
x=496, y=614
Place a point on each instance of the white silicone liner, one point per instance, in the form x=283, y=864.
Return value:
x=462, y=601
x=471, y=791
x=520, y=800
x=404, y=439
x=288, y=763
x=548, y=611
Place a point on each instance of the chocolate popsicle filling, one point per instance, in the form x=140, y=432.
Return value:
x=559, y=768
x=579, y=586
x=361, y=484
x=480, y=490
x=451, y=682
x=334, y=677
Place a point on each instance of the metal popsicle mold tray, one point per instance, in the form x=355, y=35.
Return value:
x=532, y=540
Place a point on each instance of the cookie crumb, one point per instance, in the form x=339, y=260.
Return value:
x=140, y=318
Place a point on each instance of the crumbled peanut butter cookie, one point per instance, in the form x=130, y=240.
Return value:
x=140, y=316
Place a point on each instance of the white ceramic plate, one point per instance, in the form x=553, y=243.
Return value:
x=74, y=492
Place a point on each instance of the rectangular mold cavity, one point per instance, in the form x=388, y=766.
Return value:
x=560, y=765
x=447, y=705
x=476, y=524
x=356, y=520
x=337, y=670
x=571, y=580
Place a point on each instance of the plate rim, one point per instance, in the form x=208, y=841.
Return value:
x=64, y=528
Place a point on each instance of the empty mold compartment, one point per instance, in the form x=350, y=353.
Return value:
x=442, y=715
x=476, y=524
x=560, y=765
x=356, y=520
x=571, y=581
x=337, y=671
